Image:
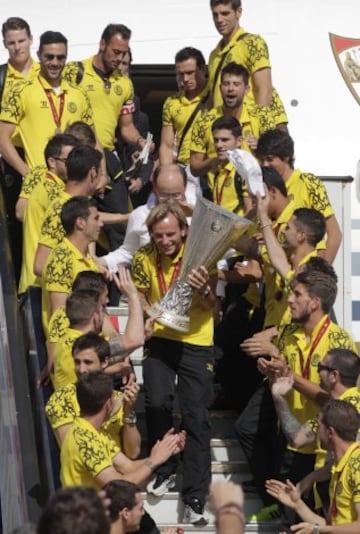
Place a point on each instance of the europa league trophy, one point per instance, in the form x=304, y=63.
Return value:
x=212, y=232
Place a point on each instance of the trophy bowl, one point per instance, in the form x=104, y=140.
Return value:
x=212, y=232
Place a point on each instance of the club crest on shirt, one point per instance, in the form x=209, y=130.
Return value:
x=118, y=90
x=346, y=51
x=316, y=358
x=72, y=107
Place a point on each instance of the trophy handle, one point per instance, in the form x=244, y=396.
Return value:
x=174, y=307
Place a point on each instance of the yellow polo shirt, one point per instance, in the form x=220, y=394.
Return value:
x=64, y=367
x=286, y=317
x=108, y=101
x=308, y=191
x=202, y=138
x=275, y=294
x=85, y=452
x=176, y=112
x=345, y=481
x=62, y=408
x=352, y=396
x=58, y=324
x=64, y=263
x=251, y=51
x=224, y=190
x=14, y=79
x=292, y=344
x=52, y=231
x=29, y=109
x=145, y=277
x=44, y=193
x=31, y=180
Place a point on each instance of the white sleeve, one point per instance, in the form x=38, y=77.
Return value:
x=124, y=254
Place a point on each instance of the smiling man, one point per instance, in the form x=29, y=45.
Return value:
x=48, y=102
x=170, y=353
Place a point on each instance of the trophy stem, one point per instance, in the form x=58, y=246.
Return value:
x=174, y=307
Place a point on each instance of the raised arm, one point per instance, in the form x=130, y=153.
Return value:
x=166, y=152
x=275, y=251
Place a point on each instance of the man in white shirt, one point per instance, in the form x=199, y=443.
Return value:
x=169, y=183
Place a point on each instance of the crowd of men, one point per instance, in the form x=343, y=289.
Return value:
x=88, y=218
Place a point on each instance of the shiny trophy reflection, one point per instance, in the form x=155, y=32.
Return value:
x=212, y=232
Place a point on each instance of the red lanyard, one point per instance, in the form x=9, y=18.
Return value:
x=305, y=369
x=56, y=116
x=161, y=277
x=276, y=229
x=219, y=194
x=333, y=506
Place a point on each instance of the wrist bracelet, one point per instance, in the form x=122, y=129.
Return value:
x=265, y=225
x=130, y=419
x=316, y=528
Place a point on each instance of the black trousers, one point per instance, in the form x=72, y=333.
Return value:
x=164, y=360
x=259, y=436
x=295, y=466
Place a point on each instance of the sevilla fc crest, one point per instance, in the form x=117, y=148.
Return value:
x=347, y=55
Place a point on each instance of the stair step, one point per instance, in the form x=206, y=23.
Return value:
x=228, y=461
x=250, y=528
x=171, y=506
x=222, y=423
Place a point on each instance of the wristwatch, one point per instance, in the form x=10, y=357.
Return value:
x=206, y=292
x=130, y=419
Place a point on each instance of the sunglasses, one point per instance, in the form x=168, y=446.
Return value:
x=323, y=367
x=59, y=57
x=64, y=160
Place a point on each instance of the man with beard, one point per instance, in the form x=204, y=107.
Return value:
x=339, y=422
x=302, y=345
x=338, y=374
x=109, y=91
x=111, y=95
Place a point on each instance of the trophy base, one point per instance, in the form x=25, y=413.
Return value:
x=170, y=319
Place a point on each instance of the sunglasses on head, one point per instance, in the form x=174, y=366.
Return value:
x=59, y=57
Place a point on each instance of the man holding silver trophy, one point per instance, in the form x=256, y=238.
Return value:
x=176, y=282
